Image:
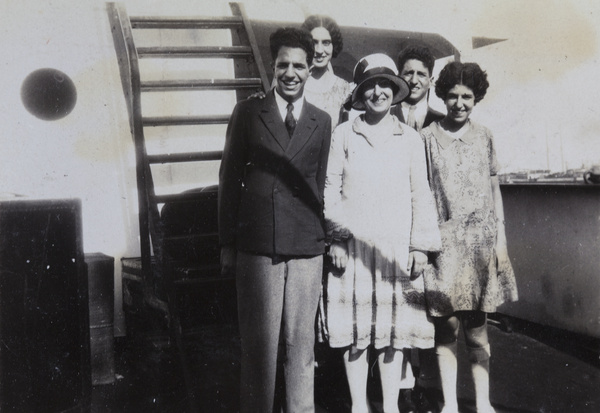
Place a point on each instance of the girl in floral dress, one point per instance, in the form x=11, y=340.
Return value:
x=472, y=276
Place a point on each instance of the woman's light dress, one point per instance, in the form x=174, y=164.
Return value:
x=377, y=188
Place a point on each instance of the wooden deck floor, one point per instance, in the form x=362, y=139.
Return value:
x=533, y=369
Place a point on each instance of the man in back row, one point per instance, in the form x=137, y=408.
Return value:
x=271, y=226
x=416, y=68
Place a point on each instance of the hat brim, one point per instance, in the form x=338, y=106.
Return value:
x=401, y=94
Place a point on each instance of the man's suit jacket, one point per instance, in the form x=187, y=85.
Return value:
x=431, y=116
x=271, y=192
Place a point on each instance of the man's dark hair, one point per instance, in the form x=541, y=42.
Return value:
x=292, y=37
x=420, y=53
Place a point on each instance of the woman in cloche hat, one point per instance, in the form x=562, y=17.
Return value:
x=382, y=225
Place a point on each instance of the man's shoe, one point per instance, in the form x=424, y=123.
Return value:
x=424, y=400
x=405, y=401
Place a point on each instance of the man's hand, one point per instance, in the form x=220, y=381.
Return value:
x=338, y=252
x=228, y=259
x=416, y=263
x=257, y=95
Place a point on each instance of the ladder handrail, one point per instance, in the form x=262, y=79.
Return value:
x=150, y=225
x=239, y=10
x=130, y=77
x=152, y=229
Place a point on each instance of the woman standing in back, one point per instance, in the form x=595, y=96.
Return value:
x=323, y=88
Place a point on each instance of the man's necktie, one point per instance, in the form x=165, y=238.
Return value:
x=411, y=120
x=290, y=122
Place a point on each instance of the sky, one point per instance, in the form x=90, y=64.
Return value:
x=542, y=105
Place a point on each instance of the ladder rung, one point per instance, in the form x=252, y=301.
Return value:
x=185, y=157
x=182, y=197
x=195, y=51
x=204, y=84
x=197, y=238
x=185, y=120
x=185, y=22
x=191, y=276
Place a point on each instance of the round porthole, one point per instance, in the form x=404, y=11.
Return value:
x=48, y=94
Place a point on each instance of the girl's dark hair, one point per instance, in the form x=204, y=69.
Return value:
x=331, y=26
x=292, y=37
x=467, y=74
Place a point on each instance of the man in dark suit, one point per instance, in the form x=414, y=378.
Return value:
x=271, y=227
x=416, y=68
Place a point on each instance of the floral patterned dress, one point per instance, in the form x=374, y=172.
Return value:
x=377, y=189
x=465, y=275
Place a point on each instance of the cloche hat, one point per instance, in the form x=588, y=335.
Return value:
x=373, y=66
